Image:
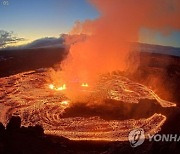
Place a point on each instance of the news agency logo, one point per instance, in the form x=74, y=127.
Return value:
x=137, y=137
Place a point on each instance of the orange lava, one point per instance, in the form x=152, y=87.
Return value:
x=52, y=87
x=28, y=96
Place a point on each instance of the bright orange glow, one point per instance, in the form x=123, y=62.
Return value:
x=63, y=87
x=84, y=85
x=36, y=102
x=106, y=47
x=64, y=102
x=52, y=87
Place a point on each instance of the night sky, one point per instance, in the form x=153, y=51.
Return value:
x=34, y=19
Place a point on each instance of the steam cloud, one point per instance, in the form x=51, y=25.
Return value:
x=108, y=46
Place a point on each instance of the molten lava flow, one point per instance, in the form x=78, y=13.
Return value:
x=95, y=128
x=65, y=102
x=116, y=87
x=84, y=85
x=52, y=87
x=27, y=96
x=63, y=87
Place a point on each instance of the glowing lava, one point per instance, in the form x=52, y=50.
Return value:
x=52, y=87
x=28, y=96
x=65, y=102
x=84, y=85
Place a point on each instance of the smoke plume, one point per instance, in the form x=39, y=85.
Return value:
x=107, y=47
